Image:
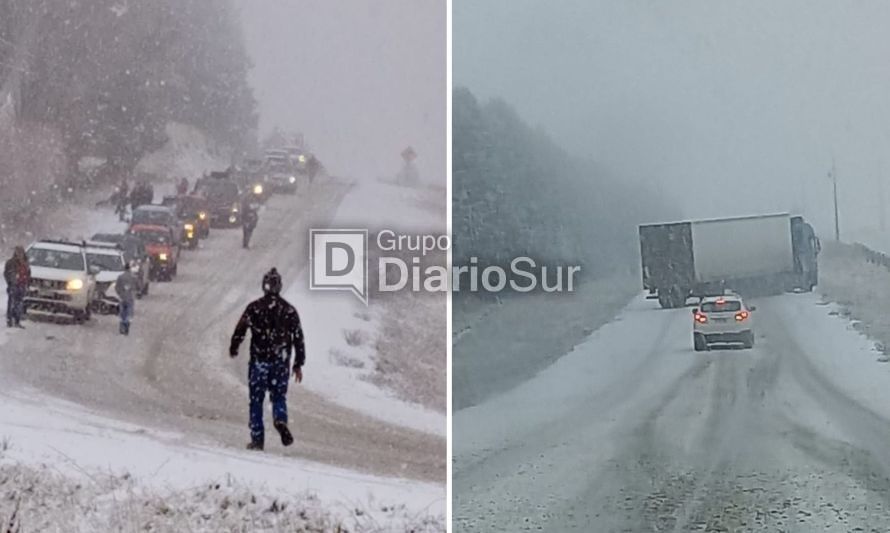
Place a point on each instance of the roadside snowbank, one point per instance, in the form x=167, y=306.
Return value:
x=342, y=335
x=499, y=345
x=836, y=344
x=120, y=463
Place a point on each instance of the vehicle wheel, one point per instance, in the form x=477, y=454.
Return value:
x=81, y=317
x=193, y=244
x=749, y=340
x=699, y=342
x=663, y=300
x=677, y=296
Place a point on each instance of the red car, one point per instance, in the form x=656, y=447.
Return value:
x=162, y=246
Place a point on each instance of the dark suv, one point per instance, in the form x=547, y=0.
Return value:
x=223, y=199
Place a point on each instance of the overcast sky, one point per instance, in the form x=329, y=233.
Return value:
x=361, y=79
x=731, y=107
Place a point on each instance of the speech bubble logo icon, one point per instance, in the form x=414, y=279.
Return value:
x=339, y=260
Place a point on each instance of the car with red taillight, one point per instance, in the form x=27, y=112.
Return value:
x=722, y=319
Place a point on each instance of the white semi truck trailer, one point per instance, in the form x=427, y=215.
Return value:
x=761, y=254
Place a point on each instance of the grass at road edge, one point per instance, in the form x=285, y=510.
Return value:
x=861, y=289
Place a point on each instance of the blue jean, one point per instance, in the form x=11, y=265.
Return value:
x=271, y=377
x=126, y=312
x=15, y=304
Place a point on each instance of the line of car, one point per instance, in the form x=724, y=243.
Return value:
x=76, y=278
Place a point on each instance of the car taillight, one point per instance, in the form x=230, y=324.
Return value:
x=701, y=318
x=741, y=316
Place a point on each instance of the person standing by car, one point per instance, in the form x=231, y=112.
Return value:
x=249, y=219
x=123, y=196
x=126, y=288
x=17, y=273
x=312, y=167
x=275, y=332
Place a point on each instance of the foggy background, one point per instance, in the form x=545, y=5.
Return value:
x=724, y=108
x=361, y=80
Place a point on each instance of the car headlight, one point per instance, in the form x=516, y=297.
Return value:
x=257, y=189
x=302, y=158
x=189, y=227
x=292, y=179
x=235, y=208
x=74, y=284
x=202, y=215
x=162, y=256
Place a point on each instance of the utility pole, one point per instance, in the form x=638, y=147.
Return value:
x=882, y=212
x=833, y=176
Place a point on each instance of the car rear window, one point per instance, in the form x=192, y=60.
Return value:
x=43, y=257
x=718, y=307
x=155, y=237
x=221, y=188
x=145, y=216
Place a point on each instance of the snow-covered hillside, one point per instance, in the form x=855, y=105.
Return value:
x=346, y=349
x=188, y=153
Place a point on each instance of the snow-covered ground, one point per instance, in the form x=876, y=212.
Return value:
x=498, y=345
x=40, y=431
x=102, y=435
x=634, y=431
x=345, y=349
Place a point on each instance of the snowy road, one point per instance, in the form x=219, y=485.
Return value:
x=173, y=372
x=634, y=431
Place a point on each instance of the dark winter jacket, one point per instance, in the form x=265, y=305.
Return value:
x=274, y=331
x=250, y=218
x=125, y=287
x=17, y=273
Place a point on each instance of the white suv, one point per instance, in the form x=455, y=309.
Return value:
x=61, y=281
x=107, y=260
x=722, y=320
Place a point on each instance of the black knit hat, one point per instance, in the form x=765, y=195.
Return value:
x=272, y=282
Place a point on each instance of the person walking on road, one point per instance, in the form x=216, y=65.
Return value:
x=275, y=332
x=126, y=287
x=249, y=220
x=17, y=273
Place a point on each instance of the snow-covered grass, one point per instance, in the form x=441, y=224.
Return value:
x=60, y=463
x=40, y=499
x=862, y=289
x=385, y=352
x=409, y=351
